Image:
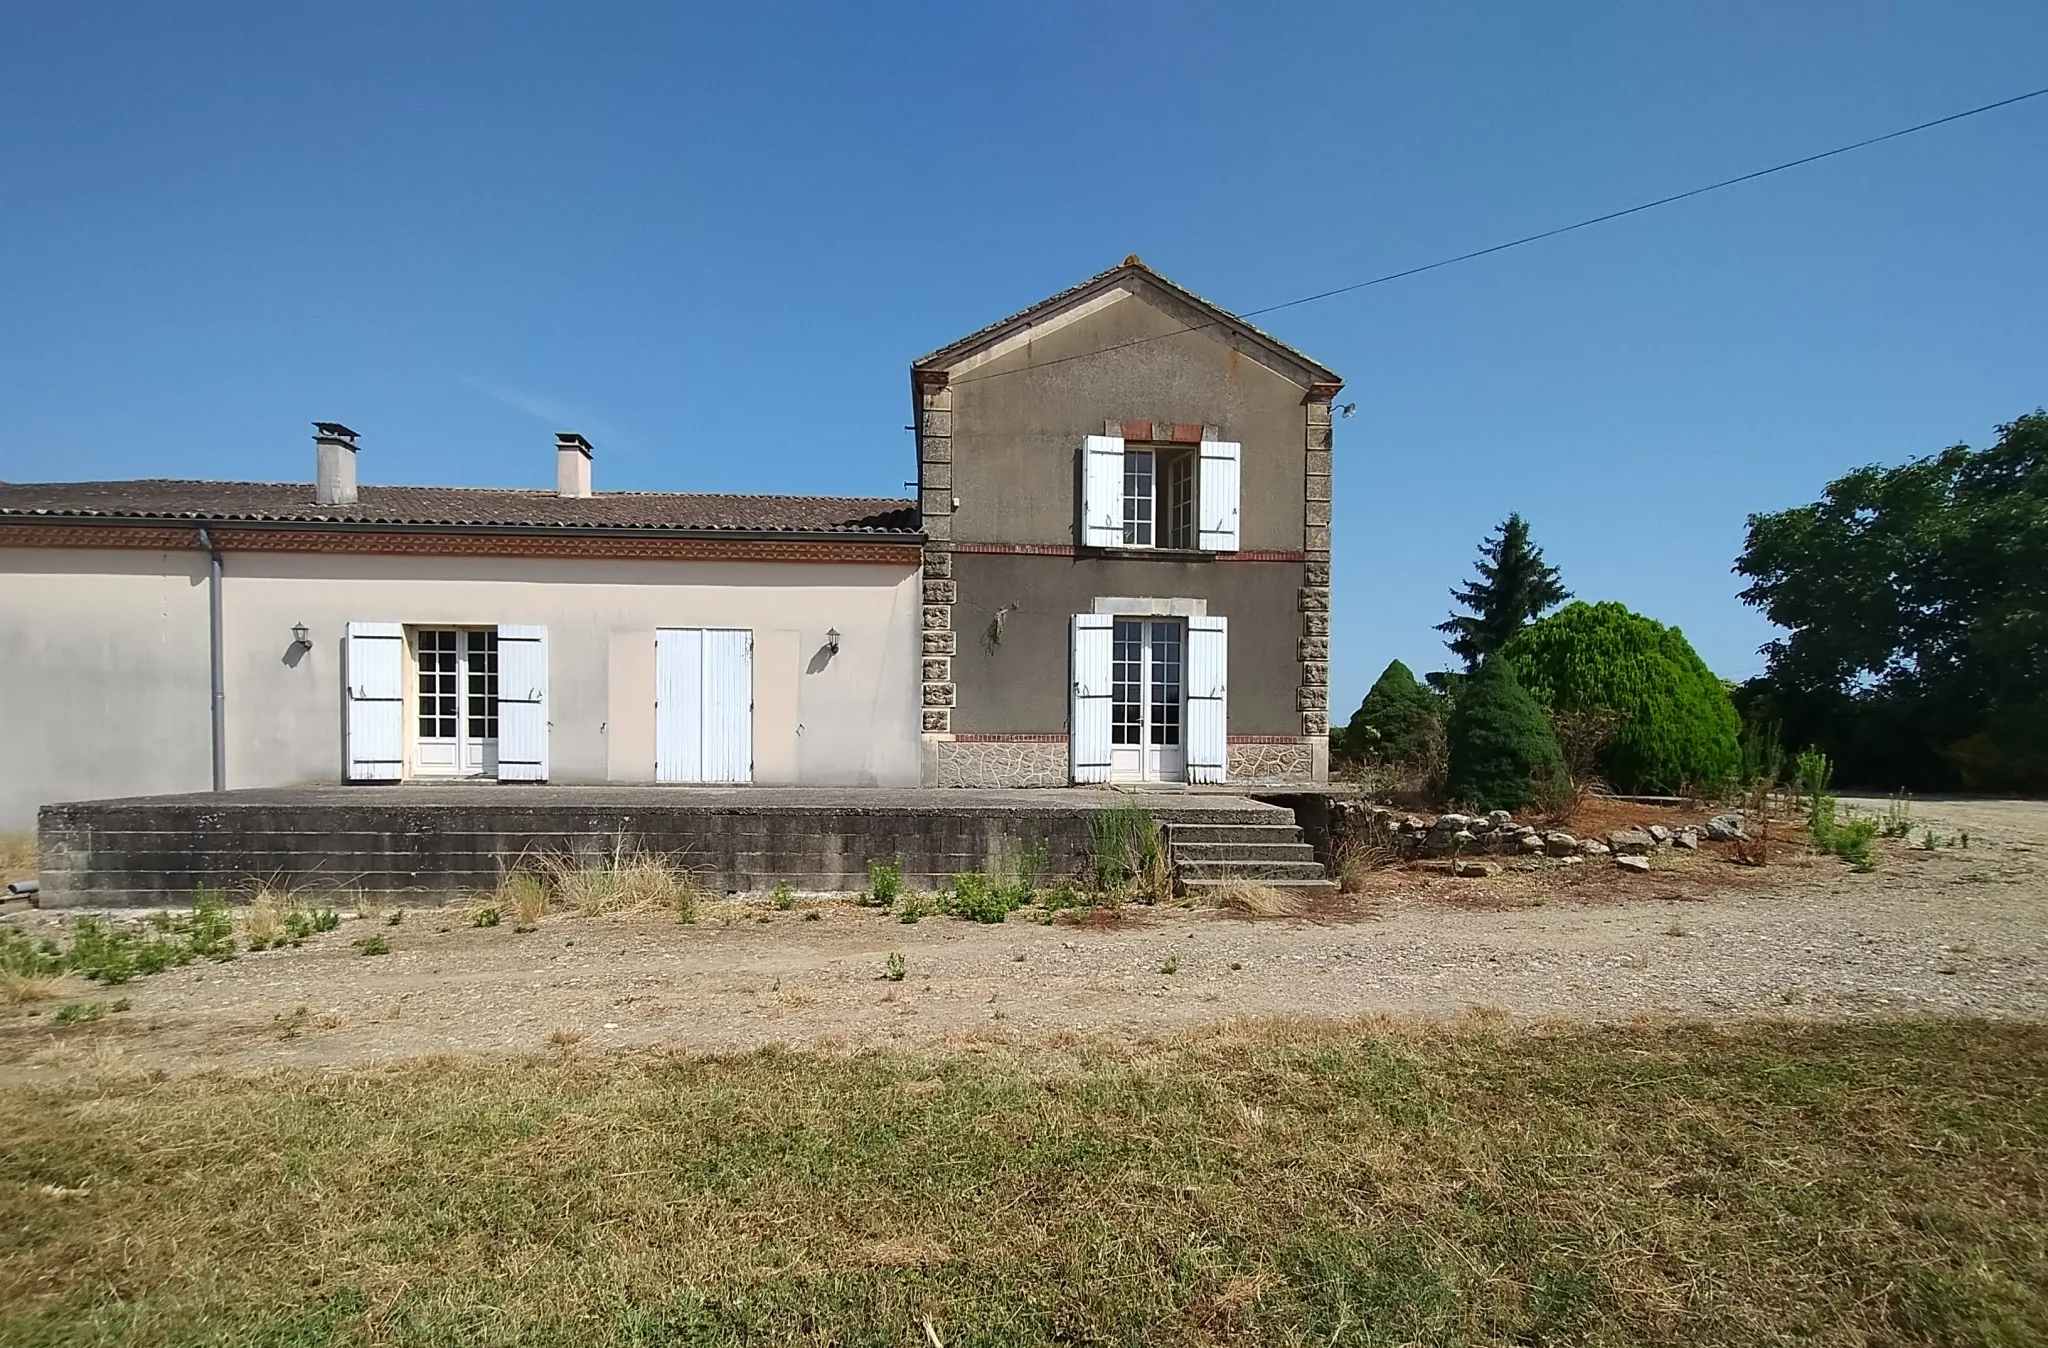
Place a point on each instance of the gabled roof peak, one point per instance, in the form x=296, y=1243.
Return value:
x=1135, y=277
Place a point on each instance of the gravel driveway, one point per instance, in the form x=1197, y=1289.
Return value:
x=1951, y=931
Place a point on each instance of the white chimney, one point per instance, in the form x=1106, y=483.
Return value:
x=572, y=465
x=334, y=463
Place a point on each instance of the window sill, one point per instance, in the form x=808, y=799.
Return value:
x=1158, y=554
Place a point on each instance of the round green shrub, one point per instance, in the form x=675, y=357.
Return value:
x=1677, y=726
x=1395, y=719
x=1500, y=743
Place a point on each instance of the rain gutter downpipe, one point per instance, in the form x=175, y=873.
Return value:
x=216, y=661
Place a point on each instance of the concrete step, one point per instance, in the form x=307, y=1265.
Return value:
x=1177, y=834
x=1260, y=872
x=1324, y=886
x=1242, y=851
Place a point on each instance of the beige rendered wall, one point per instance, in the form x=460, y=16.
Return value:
x=103, y=676
x=104, y=689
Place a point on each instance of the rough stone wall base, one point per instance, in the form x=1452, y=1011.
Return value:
x=1261, y=763
x=998, y=763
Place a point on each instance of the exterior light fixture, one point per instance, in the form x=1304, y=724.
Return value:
x=301, y=637
x=832, y=640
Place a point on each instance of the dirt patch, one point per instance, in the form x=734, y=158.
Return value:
x=1952, y=931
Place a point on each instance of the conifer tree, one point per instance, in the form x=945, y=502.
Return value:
x=1501, y=744
x=1395, y=719
x=1514, y=587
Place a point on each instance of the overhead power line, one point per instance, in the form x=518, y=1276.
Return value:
x=1549, y=233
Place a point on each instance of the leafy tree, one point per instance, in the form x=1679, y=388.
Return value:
x=1514, y=586
x=1500, y=742
x=1395, y=719
x=1917, y=617
x=1673, y=723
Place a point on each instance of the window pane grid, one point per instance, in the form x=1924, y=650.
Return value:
x=483, y=685
x=1166, y=683
x=437, y=684
x=1177, y=501
x=1127, y=674
x=1138, y=498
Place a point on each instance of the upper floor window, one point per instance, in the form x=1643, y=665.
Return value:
x=1159, y=496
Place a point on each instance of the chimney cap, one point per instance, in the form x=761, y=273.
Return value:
x=571, y=440
x=334, y=430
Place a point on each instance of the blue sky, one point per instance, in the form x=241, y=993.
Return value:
x=712, y=242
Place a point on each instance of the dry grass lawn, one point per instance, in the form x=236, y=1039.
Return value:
x=1758, y=1183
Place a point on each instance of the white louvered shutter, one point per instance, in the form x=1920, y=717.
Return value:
x=1088, y=733
x=1208, y=703
x=1216, y=496
x=728, y=705
x=679, y=704
x=373, y=691
x=1102, y=491
x=522, y=703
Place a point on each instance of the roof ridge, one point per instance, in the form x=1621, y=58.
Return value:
x=1134, y=266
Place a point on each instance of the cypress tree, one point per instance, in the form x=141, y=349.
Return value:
x=1393, y=720
x=1515, y=585
x=1677, y=725
x=1500, y=742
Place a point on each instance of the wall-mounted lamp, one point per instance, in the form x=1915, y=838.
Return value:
x=832, y=640
x=301, y=637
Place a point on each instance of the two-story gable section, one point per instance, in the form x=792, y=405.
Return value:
x=1126, y=494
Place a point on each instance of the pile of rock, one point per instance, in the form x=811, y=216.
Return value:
x=1460, y=835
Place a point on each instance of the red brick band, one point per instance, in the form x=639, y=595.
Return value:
x=462, y=545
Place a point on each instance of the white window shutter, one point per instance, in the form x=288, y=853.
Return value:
x=1208, y=703
x=373, y=694
x=679, y=704
x=522, y=703
x=1216, y=497
x=1088, y=731
x=728, y=705
x=1102, y=491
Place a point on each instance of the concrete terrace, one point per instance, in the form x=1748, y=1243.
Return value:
x=430, y=842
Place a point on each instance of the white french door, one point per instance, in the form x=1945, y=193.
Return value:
x=1148, y=700
x=456, y=689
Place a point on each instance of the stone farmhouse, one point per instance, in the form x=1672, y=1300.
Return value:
x=1116, y=570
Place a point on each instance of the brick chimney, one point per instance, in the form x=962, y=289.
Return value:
x=334, y=463
x=572, y=465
